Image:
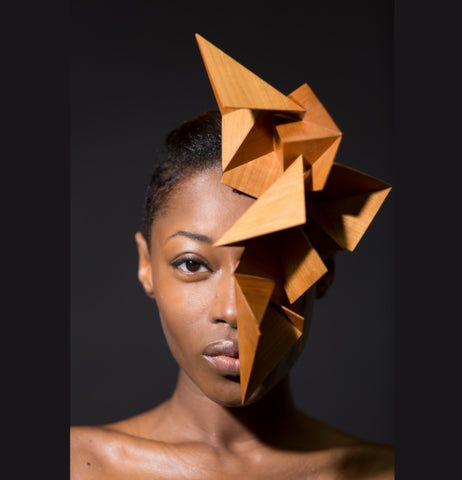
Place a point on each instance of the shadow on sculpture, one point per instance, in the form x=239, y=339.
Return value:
x=280, y=150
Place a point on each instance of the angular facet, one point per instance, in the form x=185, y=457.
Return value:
x=235, y=86
x=301, y=264
x=278, y=336
x=256, y=176
x=347, y=205
x=314, y=109
x=235, y=126
x=281, y=206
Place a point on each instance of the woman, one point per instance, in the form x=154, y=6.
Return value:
x=203, y=430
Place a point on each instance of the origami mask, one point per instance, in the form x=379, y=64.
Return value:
x=280, y=150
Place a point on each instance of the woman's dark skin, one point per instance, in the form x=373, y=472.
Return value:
x=202, y=431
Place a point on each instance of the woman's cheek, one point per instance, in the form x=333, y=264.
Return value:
x=184, y=313
x=174, y=335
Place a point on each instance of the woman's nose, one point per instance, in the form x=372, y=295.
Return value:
x=224, y=305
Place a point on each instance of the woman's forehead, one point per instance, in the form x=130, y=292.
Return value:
x=202, y=204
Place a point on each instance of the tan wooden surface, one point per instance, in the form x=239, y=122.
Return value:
x=281, y=206
x=280, y=149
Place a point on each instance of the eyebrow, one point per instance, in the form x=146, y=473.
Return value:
x=194, y=236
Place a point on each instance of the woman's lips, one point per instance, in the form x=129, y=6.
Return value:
x=222, y=347
x=225, y=363
x=224, y=354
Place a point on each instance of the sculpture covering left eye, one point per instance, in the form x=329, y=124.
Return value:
x=280, y=150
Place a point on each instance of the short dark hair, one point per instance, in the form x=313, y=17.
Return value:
x=193, y=146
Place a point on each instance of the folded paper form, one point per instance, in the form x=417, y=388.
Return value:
x=280, y=150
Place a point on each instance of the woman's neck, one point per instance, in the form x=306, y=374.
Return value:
x=202, y=419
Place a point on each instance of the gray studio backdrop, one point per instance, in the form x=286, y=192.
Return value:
x=138, y=73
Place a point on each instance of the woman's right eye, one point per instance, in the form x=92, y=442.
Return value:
x=189, y=265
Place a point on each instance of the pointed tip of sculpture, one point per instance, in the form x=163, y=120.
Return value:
x=199, y=38
x=244, y=396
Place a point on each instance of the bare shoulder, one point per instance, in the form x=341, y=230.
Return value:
x=99, y=453
x=105, y=453
x=344, y=456
x=89, y=451
x=365, y=461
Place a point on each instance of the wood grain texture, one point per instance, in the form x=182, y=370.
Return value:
x=345, y=208
x=235, y=126
x=235, y=86
x=256, y=358
x=280, y=149
x=257, y=291
x=347, y=220
x=248, y=337
x=261, y=258
x=298, y=321
x=322, y=166
x=256, y=176
x=278, y=336
x=281, y=206
x=258, y=141
x=301, y=264
x=314, y=109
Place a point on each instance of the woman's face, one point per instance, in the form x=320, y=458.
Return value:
x=192, y=281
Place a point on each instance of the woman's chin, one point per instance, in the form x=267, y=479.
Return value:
x=228, y=393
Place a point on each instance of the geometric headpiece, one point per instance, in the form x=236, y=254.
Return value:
x=280, y=150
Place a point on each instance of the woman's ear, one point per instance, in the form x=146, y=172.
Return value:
x=327, y=279
x=144, y=264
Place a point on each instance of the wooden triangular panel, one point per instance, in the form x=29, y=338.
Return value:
x=315, y=111
x=322, y=166
x=312, y=150
x=257, y=291
x=281, y=206
x=321, y=241
x=254, y=177
x=300, y=138
x=258, y=142
x=347, y=205
x=258, y=259
x=301, y=264
x=301, y=131
x=298, y=321
x=235, y=86
x=278, y=336
x=344, y=181
x=347, y=219
x=248, y=335
x=235, y=126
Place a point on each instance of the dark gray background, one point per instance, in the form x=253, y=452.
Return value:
x=135, y=74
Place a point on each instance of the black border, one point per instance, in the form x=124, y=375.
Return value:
x=426, y=158
x=35, y=193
